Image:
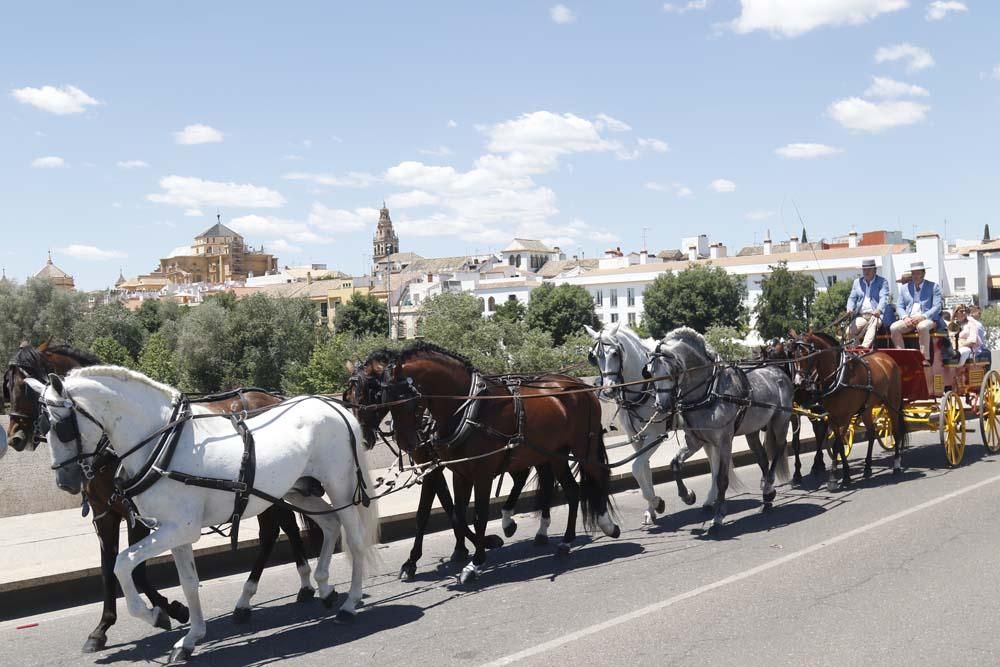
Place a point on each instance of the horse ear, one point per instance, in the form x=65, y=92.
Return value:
x=35, y=385
x=792, y=333
x=45, y=345
x=56, y=383
x=349, y=366
x=614, y=328
x=591, y=332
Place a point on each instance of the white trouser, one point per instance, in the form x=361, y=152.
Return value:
x=965, y=353
x=923, y=328
x=866, y=326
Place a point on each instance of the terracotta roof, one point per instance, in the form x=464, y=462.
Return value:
x=530, y=245
x=313, y=290
x=554, y=267
x=437, y=264
x=671, y=254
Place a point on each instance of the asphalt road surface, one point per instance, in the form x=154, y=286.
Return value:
x=896, y=571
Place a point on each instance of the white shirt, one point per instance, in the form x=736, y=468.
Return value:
x=868, y=306
x=915, y=309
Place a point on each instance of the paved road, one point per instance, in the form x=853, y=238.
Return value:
x=893, y=572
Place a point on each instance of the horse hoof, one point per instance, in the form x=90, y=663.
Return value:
x=831, y=486
x=897, y=472
x=160, y=619
x=179, y=656
x=715, y=529
x=95, y=644
x=797, y=478
x=408, y=571
x=509, y=529
x=541, y=541
x=178, y=612
x=661, y=506
x=469, y=573
x=868, y=472
x=330, y=599
x=767, y=507
x=459, y=555
x=241, y=615
x=494, y=541
x=344, y=617
x=563, y=551
x=770, y=496
x=616, y=532
x=708, y=507
x=690, y=498
x=648, y=517
x=305, y=594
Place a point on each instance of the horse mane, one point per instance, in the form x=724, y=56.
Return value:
x=30, y=359
x=423, y=348
x=825, y=337
x=383, y=356
x=124, y=375
x=692, y=338
x=76, y=354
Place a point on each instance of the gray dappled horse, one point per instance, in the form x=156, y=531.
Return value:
x=714, y=402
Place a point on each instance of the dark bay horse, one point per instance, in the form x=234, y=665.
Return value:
x=481, y=427
x=109, y=511
x=847, y=383
x=364, y=389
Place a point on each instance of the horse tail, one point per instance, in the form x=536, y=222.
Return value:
x=314, y=535
x=901, y=433
x=595, y=476
x=776, y=451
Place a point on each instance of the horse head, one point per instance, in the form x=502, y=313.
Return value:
x=620, y=356
x=681, y=367
x=27, y=362
x=364, y=393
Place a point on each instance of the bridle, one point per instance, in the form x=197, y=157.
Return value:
x=617, y=376
x=67, y=429
x=677, y=402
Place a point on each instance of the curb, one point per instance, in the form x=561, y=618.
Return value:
x=43, y=594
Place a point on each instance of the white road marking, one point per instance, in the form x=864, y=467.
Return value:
x=746, y=574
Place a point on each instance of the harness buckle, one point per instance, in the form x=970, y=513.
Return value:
x=240, y=487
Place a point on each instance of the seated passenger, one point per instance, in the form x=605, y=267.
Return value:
x=919, y=310
x=968, y=334
x=975, y=315
x=868, y=300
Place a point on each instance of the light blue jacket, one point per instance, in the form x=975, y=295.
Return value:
x=878, y=290
x=929, y=298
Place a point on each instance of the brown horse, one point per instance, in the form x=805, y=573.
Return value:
x=110, y=511
x=848, y=384
x=363, y=389
x=481, y=427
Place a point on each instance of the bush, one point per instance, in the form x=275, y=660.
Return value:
x=110, y=351
x=698, y=297
x=724, y=340
x=830, y=305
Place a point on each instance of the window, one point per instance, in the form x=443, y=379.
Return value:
x=630, y=296
x=614, y=317
x=614, y=298
x=400, y=329
x=492, y=303
x=831, y=281
x=631, y=319
x=959, y=284
x=510, y=260
x=599, y=297
x=482, y=305
x=512, y=297
x=324, y=310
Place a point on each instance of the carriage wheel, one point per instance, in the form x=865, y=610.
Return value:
x=848, y=441
x=989, y=407
x=884, y=434
x=951, y=427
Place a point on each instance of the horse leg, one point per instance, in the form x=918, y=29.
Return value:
x=712, y=454
x=866, y=418
x=753, y=442
x=460, y=510
x=644, y=476
x=677, y=466
x=507, y=511
x=475, y=567
x=543, y=502
x=175, y=610
x=188, y=575
x=797, y=448
x=288, y=524
x=108, y=530
x=355, y=540
x=820, y=429
x=427, y=491
x=268, y=536
x=722, y=484
x=572, y=492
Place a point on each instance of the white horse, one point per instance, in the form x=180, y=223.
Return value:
x=621, y=356
x=298, y=438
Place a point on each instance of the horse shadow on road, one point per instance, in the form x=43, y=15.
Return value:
x=274, y=633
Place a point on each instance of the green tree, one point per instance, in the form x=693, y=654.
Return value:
x=785, y=302
x=448, y=317
x=991, y=320
x=112, y=320
x=698, y=297
x=830, y=305
x=157, y=359
x=326, y=371
x=35, y=312
x=561, y=310
x=154, y=313
x=510, y=310
x=225, y=299
x=202, y=348
x=723, y=340
x=110, y=351
x=363, y=315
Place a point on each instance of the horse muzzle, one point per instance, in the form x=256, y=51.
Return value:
x=70, y=479
x=18, y=440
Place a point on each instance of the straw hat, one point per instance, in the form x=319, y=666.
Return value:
x=917, y=266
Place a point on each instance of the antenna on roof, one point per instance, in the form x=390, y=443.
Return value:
x=218, y=216
x=812, y=248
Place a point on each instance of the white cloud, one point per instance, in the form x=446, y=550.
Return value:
x=440, y=151
x=60, y=101
x=890, y=88
x=857, y=114
x=341, y=220
x=791, y=18
x=806, y=151
x=679, y=190
x=89, y=253
x=281, y=245
x=939, y=9
x=190, y=192
x=291, y=157
x=354, y=179
x=562, y=14
x=132, y=164
x=452, y=123
x=917, y=58
x=996, y=72
x=411, y=199
x=723, y=185
x=757, y=216
x=197, y=134
x=271, y=227
x=307, y=143
x=48, y=162
x=193, y=213
x=606, y=122
x=655, y=145
x=689, y=6
x=116, y=204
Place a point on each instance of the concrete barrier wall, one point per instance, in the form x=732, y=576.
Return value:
x=27, y=485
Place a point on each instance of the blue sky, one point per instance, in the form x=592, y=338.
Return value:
x=126, y=126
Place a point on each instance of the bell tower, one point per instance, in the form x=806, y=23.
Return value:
x=385, y=242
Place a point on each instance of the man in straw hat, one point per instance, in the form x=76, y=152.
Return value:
x=868, y=300
x=919, y=310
